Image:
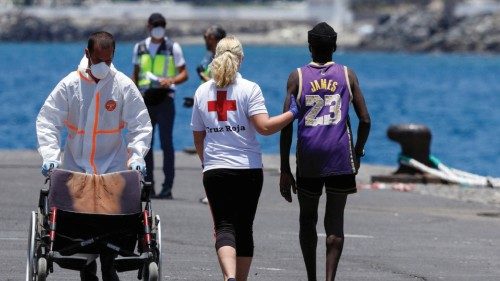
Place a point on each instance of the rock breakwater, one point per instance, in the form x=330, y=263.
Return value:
x=426, y=31
x=20, y=26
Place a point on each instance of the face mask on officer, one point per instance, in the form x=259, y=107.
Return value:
x=158, y=32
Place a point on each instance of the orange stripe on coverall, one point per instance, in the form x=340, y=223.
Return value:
x=113, y=131
x=94, y=132
x=73, y=127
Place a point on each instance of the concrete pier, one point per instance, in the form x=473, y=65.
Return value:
x=390, y=235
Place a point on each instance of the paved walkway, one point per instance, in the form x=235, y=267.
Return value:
x=390, y=235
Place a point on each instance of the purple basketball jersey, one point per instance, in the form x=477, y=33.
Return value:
x=324, y=144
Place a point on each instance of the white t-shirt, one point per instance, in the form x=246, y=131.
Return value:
x=153, y=47
x=224, y=114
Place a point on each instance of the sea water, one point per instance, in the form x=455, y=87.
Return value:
x=456, y=95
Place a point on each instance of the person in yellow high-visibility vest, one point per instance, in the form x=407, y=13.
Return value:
x=159, y=66
x=212, y=36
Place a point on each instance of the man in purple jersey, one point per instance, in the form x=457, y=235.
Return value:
x=326, y=154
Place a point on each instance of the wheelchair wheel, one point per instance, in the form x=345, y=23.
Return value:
x=157, y=236
x=30, y=267
x=36, y=266
x=42, y=269
x=152, y=272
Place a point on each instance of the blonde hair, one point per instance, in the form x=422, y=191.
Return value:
x=227, y=60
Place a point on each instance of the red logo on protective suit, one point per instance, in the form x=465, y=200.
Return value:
x=110, y=105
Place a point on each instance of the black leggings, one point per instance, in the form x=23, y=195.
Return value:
x=233, y=195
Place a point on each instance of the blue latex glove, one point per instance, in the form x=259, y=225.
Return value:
x=139, y=167
x=293, y=107
x=47, y=166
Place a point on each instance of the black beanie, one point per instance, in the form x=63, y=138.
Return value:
x=322, y=35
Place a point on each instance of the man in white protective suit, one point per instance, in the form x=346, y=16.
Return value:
x=95, y=103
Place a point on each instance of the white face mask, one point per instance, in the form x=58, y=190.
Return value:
x=99, y=70
x=158, y=32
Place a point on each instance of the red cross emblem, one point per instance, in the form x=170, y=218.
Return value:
x=222, y=105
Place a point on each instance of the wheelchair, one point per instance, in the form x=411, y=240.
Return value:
x=80, y=215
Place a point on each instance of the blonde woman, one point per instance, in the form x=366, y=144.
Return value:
x=228, y=111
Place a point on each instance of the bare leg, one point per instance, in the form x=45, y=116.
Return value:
x=243, y=268
x=227, y=261
x=334, y=228
x=307, y=234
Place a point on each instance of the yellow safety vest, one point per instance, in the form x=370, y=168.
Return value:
x=161, y=64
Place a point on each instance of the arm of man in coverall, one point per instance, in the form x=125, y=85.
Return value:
x=49, y=124
x=139, y=129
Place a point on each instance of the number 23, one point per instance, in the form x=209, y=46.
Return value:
x=317, y=102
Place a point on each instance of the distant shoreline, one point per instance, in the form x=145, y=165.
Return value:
x=286, y=25
x=413, y=30
x=184, y=31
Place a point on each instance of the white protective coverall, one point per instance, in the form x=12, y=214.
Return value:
x=94, y=115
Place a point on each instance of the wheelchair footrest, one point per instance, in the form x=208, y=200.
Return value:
x=74, y=262
x=130, y=263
